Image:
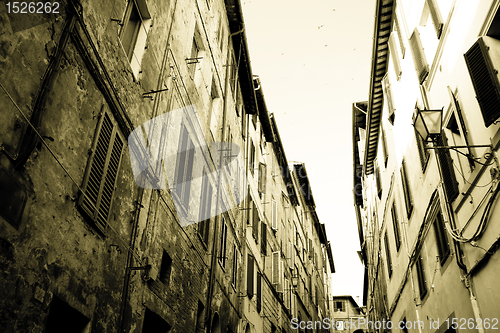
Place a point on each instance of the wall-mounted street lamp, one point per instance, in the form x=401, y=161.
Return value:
x=428, y=124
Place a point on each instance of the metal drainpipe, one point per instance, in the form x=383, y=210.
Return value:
x=217, y=218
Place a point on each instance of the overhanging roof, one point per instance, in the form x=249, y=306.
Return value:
x=240, y=46
x=382, y=30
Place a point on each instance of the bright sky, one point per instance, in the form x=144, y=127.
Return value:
x=313, y=58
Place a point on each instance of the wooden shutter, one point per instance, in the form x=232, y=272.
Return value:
x=276, y=258
x=263, y=243
x=388, y=255
x=274, y=213
x=280, y=286
x=259, y=292
x=250, y=273
x=441, y=238
x=291, y=250
x=484, y=79
x=385, y=150
x=262, y=178
x=422, y=287
x=419, y=60
x=386, y=87
x=449, y=179
x=423, y=153
x=394, y=54
x=378, y=181
x=255, y=222
x=437, y=20
x=400, y=33
x=102, y=170
x=395, y=225
x=406, y=190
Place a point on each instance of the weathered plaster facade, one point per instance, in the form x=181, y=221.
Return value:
x=90, y=244
x=427, y=217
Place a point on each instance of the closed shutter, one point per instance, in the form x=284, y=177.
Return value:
x=276, y=258
x=422, y=287
x=386, y=87
x=385, y=150
x=419, y=60
x=291, y=250
x=255, y=222
x=449, y=179
x=280, y=287
x=259, y=292
x=102, y=170
x=378, y=181
x=263, y=243
x=441, y=238
x=437, y=20
x=262, y=178
x=250, y=270
x=423, y=153
x=274, y=214
x=484, y=79
x=400, y=33
x=406, y=190
x=394, y=54
x=395, y=225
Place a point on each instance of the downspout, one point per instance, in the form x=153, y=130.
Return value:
x=217, y=218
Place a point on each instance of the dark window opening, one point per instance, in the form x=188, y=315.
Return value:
x=395, y=224
x=153, y=323
x=12, y=199
x=63, y=318
x=166, y=268
x=388, y=255
x=441, y=238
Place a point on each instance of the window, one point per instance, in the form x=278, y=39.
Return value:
x=274, y=214
x=166, y=268
x=458, y=129
x=406, y=190
x=449, y=179
x=223, y=243
x=403, y=325
x=133, y=35
x=276, y=267
x=197, y=52
x=395, y=225
x=255, y=222
x=205, y=210
x=422, y=287
x=388, y=255
x=63, y=318
x=339, y=306
x=400, y=32
x=435, y=14
x=423, y=153
x=101, y=173
x=252, y=156
x=131, y=25
x=441, y=238
x=262, y=178
x=250, y=274
x=484, y=78
x=263, y=243
x=259, y=292
x=234, y=275
x=385, y=150
x=386, y=87
x=199, y=316
x=394, y=54
x=184, y=167
x=377, y=181
x=419, y=59
x=154, y=323
x=13, y=199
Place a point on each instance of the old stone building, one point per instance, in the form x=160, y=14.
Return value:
x=426, y=169
x=143, y=182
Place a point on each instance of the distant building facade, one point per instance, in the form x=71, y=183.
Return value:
x=428, y=212
x=347, y=315
x=143, y=183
